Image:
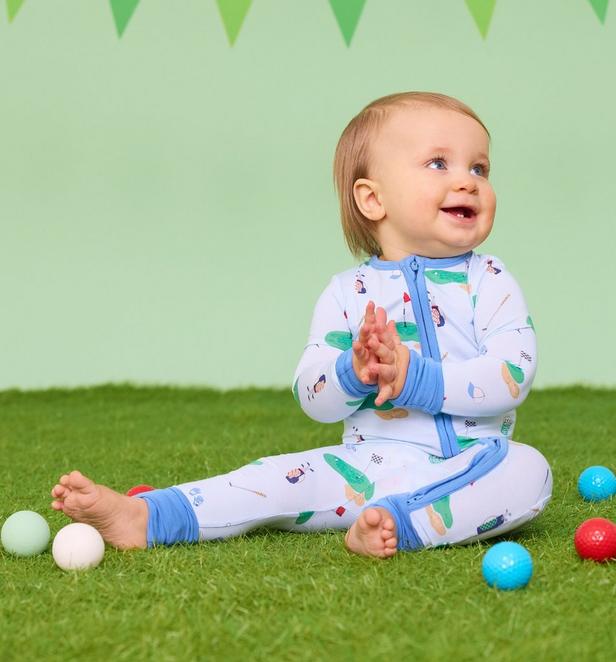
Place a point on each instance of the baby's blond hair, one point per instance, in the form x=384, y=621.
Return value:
x=351, y=160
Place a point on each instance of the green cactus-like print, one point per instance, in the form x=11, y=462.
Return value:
x=302, y=518
x=516, y=372
x=466, y=442
x=339, y=339
x=445, y=277
x=442, y=508
x=296, y=391
x=529, y=321
x=369, y=403
x=355, y=478
x=407, y=331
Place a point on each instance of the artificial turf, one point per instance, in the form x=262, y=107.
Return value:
x=276, y=595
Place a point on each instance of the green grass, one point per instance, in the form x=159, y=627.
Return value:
x=284, y=596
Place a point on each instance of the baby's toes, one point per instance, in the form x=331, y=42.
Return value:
x=59, y=491
x=371, y=518
x=386, y=534
x=391, y=543
x=389, y=524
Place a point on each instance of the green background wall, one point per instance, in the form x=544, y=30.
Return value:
x=167, y=212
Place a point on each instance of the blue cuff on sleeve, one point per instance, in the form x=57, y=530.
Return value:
x=348, y=379
x=423, y=388
x=171, y=518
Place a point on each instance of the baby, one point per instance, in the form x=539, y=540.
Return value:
x=426, y=383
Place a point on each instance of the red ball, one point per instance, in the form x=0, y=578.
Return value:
x=596, y=539
x=138, y=489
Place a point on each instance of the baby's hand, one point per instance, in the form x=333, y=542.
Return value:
x=364, y=360
x=393, y=358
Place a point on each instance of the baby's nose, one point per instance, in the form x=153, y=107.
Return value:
x=464, y=181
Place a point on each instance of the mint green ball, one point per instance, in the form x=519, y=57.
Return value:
x=25, y=533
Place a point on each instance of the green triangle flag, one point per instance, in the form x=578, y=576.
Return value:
x=600, y=7
x=12, y=7
x=233, y=13
x=481, y=11
x=347, y=13
x=122, y=13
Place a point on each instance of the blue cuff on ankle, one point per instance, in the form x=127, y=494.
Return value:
x=171, y=518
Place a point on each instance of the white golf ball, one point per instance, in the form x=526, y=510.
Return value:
x=78, y=547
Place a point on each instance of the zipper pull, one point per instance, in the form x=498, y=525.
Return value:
x=415, y=266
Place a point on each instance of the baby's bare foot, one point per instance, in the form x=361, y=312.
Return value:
x=121, y=520
x=373, y=534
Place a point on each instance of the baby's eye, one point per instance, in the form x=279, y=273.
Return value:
x=483, y=171
x=436, y=163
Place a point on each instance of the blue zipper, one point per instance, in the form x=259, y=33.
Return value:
x=429, y=343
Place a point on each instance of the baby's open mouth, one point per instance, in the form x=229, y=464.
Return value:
x=459, y=212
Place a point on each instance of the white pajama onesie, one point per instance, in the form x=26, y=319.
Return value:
x=439, y=456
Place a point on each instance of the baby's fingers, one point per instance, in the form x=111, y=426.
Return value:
x=360, y=350
x=387, y=372
x=384, y=353
x=368, y=327
x=384, y=394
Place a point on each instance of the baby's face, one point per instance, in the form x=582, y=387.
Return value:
x=429, y=170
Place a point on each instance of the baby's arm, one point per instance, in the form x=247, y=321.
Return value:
x=500, y=377
x=325, y=383
x=495, y=381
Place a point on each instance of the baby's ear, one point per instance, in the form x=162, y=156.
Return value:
x=367, y=199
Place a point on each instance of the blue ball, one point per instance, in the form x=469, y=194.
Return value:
x=597, y=483
x=507, y=566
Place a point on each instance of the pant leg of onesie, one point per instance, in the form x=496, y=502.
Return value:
x=323, y=488
x=512, y=493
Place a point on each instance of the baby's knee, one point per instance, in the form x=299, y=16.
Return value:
x=533, y=474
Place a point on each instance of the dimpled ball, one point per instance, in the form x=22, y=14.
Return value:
x=507, y=566
x=597, y=483
x=78, y=546
x=25, y=533
x=596, y=539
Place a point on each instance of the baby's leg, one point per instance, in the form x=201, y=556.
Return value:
x=459, y=503
x=307, y=491
x=510, y=495
x=323, y=488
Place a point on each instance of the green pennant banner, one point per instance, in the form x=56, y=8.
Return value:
x=600, y=7
x=12, y=7
x=122, y=11
x=233, y=13
x=481, y=11
x=347, y=13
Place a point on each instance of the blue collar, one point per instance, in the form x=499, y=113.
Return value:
x=433, y=262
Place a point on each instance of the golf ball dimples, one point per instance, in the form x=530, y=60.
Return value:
x=25, y=533
x=507, y=566
x=597, y=483
x=78, y=547
x=596, y=539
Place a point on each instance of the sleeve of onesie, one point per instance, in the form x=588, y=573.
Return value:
x=325, y=384
x=499, y=378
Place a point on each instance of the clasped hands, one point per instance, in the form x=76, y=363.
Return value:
x=379, y=357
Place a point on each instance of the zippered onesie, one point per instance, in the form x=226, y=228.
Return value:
x=438, y=457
